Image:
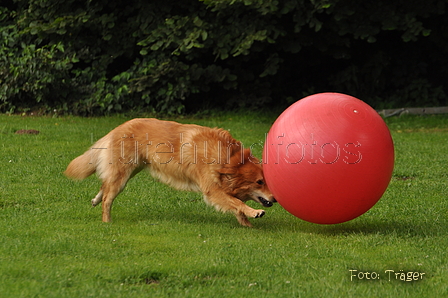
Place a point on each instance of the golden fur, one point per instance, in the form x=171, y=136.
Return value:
x=185, y=156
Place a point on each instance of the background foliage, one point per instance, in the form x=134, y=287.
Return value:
x=171, y=56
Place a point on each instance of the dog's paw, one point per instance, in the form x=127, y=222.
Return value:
x=94, y=202
x=255, y=213
x=259, y=214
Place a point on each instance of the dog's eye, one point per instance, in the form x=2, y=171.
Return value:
x=261, y=182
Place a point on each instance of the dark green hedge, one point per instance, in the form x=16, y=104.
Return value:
x=100, y=56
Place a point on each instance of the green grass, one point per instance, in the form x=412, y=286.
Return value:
x=166, y=243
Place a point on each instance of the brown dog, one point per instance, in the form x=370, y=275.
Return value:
x=185, y=156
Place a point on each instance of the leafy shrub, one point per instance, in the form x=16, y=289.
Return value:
x=97, y=57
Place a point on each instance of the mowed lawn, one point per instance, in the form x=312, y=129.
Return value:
x=168, y=243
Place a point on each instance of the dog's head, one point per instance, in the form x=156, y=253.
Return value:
x=243, y=178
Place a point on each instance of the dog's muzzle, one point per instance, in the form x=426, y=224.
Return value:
x=265, y=202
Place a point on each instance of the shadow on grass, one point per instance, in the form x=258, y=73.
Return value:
x=398, y=228
x=172, y=212
x=278, y=221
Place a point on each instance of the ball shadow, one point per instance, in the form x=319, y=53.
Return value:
x=398, y=228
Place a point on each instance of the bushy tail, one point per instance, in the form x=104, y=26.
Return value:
x=85, y=165
x=81, y=167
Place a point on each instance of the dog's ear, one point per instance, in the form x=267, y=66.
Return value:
x=227, y=175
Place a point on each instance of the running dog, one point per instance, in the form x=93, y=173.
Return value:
x=184, y=156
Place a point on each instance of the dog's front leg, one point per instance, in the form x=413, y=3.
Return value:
x=227, y=203
x=242, y=217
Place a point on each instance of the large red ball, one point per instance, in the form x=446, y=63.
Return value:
x=328, y=158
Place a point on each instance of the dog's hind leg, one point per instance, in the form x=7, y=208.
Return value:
x=98, y=198
x=110, y=189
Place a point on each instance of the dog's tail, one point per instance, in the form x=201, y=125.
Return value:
x=81, y=167
x=86, y=164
